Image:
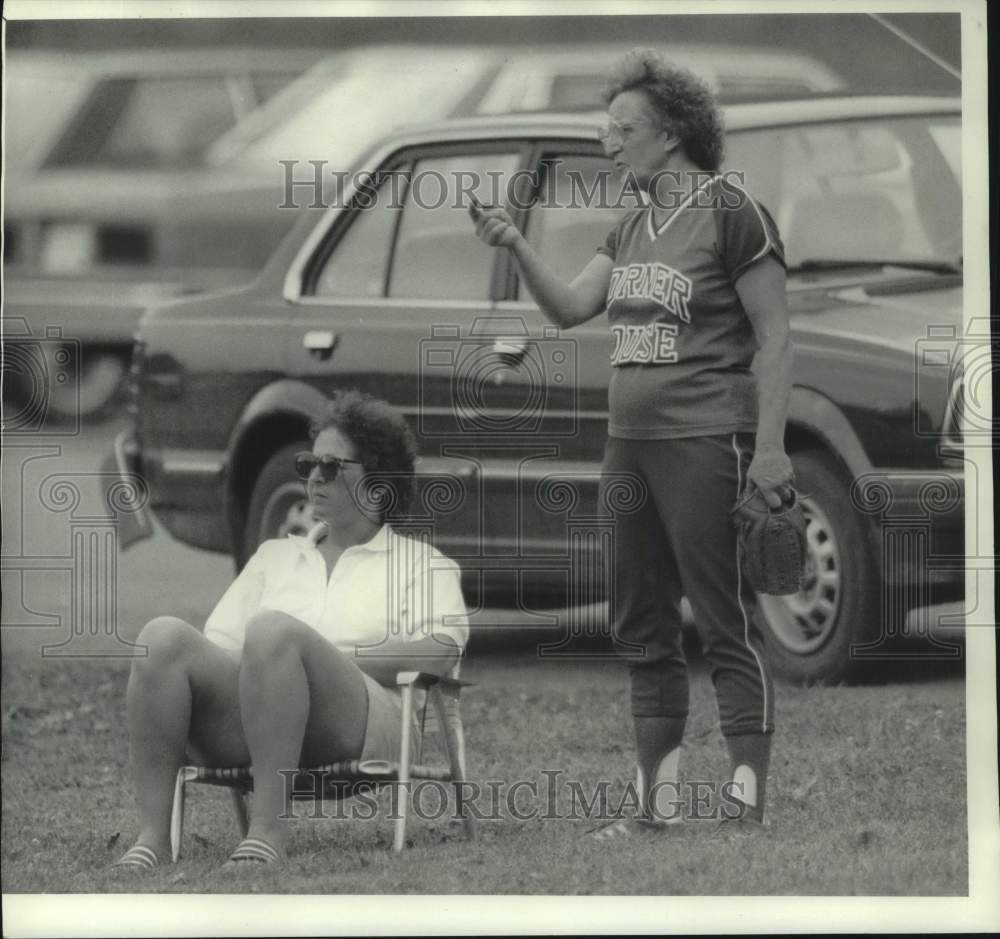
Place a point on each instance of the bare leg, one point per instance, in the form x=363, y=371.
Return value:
x=184, y=690
x=303, y=703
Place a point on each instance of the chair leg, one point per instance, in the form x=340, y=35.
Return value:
x=177, y=814
x=240, y=808
x=454, y=740
x=403, y=785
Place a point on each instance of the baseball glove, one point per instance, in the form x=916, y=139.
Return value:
x=772, y=542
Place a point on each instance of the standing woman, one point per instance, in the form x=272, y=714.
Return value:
x=694, y=286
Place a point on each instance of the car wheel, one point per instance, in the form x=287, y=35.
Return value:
x=91, y=391
x=809, y=635
x=278, y=504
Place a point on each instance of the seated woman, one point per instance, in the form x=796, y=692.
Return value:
x=292, y=668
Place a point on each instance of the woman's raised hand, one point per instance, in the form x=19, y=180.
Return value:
x=493, y=225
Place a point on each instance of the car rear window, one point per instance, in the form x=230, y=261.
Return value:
x=37, y=105
x=576, y=92
x=267, y=86
x=154, y=122
x=336, y=117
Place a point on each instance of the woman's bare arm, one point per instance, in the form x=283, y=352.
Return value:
x=565, y=304
x=762, y=292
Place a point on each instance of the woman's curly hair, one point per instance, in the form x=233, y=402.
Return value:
x=386, y=447
x=683, y=101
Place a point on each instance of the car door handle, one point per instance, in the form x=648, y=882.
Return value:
x=319, y=343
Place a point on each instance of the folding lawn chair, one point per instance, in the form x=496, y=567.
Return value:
x=351, y=777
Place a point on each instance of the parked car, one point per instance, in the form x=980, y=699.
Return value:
x=155, y=189
x=399, y=299
x=96, y=146
x=308, y=118
x=572, y=79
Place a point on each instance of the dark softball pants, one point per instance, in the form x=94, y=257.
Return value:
x=680, y=541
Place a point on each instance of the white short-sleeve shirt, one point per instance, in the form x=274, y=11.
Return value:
x=393, y=587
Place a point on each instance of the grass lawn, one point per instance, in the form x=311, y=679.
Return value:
x=867, y=795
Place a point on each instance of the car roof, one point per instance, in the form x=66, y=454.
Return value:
x=163, y=61
x=729, y=68
x=743, y=116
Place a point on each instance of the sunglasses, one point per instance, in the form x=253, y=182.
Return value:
x=329, y=466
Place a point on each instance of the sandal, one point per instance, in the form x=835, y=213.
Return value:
x=255, y=851
x=139, y=857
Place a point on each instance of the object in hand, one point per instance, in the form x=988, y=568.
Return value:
x=476, y=208
x=772, y=542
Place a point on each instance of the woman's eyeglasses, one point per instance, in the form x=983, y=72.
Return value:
x=617, y=131
x=329, y=466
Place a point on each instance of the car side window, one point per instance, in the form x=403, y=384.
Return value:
x=580, y=202
x=437, y=255
x=357, y=265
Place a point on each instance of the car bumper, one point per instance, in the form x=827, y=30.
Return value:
x=188, y=495
x=940, y=621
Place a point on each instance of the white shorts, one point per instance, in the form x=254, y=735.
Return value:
x=383, y=732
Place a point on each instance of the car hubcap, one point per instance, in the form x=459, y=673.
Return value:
x=287, y=512
x=804, y=622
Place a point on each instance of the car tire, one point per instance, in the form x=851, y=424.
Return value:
x=808, y=636
x=278, y=504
